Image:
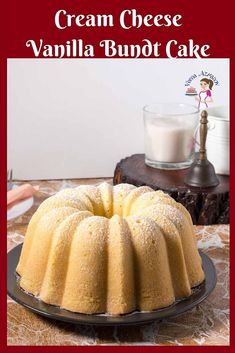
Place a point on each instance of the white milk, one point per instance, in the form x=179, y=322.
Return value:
x=168, y=140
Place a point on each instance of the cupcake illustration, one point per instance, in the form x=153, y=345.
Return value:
x=204, y=97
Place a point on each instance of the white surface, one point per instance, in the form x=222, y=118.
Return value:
x=77, y=118
x=218, y=155
x=218, y=139
x=20, y=208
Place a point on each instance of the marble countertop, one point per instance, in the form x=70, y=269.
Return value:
x=206, y=324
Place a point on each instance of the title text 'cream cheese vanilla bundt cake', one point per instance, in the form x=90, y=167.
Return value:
x=105, y=249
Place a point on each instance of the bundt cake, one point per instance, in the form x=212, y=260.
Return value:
x=105, y=249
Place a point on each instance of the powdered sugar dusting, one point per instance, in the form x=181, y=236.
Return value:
x=207, y=324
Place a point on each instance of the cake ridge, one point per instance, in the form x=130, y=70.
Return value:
x=93, y=193
x=148, y=199
x=149, y=249
x=65, y=229
x=180, y=279
x=184, y=228
x=120, y=192
x=106, y=193
x=86, y=291
x=74, y=194
x=48, y=222
x=112, y=249
x=51, y=202
x=120, y=260
x=130, y=198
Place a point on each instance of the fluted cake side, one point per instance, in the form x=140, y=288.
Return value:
x=105, y=249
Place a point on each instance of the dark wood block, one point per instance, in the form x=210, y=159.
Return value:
x=206, y=205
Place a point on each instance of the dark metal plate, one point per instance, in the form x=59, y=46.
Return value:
x=199, y=294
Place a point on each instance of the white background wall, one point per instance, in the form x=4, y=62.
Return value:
x=78, y=118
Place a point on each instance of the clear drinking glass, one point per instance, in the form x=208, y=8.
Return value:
x=170, y=130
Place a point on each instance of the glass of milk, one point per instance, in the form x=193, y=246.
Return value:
x=170, y=130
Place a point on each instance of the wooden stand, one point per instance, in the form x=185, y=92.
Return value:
x=206, y=205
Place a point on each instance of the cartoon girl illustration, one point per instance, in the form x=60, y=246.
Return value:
x=204, y=96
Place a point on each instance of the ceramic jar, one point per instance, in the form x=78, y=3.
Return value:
x=218, y=139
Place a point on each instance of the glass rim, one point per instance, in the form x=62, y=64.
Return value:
x=146, y=110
